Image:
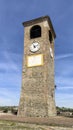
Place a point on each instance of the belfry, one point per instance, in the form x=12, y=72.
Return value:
x=37, y=97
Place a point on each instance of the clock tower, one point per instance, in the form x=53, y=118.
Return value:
x=37, y=93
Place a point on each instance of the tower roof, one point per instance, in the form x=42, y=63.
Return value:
x=40, y=19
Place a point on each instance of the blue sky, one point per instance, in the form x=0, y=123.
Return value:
x=12, y=14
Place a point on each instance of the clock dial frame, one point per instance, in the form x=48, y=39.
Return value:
x=34, y=47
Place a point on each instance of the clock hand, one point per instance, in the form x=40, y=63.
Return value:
x=34, y=46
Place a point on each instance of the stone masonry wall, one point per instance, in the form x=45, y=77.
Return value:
x=37, y=92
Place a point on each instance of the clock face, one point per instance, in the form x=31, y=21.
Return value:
x=51, y=52
x=35, y=46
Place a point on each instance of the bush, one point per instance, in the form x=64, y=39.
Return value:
x=14, y=111
x=5, y=110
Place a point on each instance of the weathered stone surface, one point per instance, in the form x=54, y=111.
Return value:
x=37, y=92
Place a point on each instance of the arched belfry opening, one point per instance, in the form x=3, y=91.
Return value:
x=50, y=37
x=35, y=31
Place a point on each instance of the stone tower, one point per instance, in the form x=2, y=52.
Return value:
x=37, y=92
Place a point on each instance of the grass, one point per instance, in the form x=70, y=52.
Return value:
x=10, y=125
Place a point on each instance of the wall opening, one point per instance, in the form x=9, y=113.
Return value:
x=50, y=37
x=35, y=31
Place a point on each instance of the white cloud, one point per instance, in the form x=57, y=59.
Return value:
x=8, y=102
x=10, y=62
x=63, y=56
x=64, y=88
x=8, y=97
x=64, y=100
x=64, y=81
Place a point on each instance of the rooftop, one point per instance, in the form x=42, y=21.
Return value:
x=40, y=19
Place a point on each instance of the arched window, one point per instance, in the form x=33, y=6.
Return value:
x=50, y=37
x=35, y=31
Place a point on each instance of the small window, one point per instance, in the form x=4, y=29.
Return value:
x=35, y=31
x=50, y=37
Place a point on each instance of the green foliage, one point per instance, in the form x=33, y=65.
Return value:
x=5, y=109
x=64, y=109
x=14, y=111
